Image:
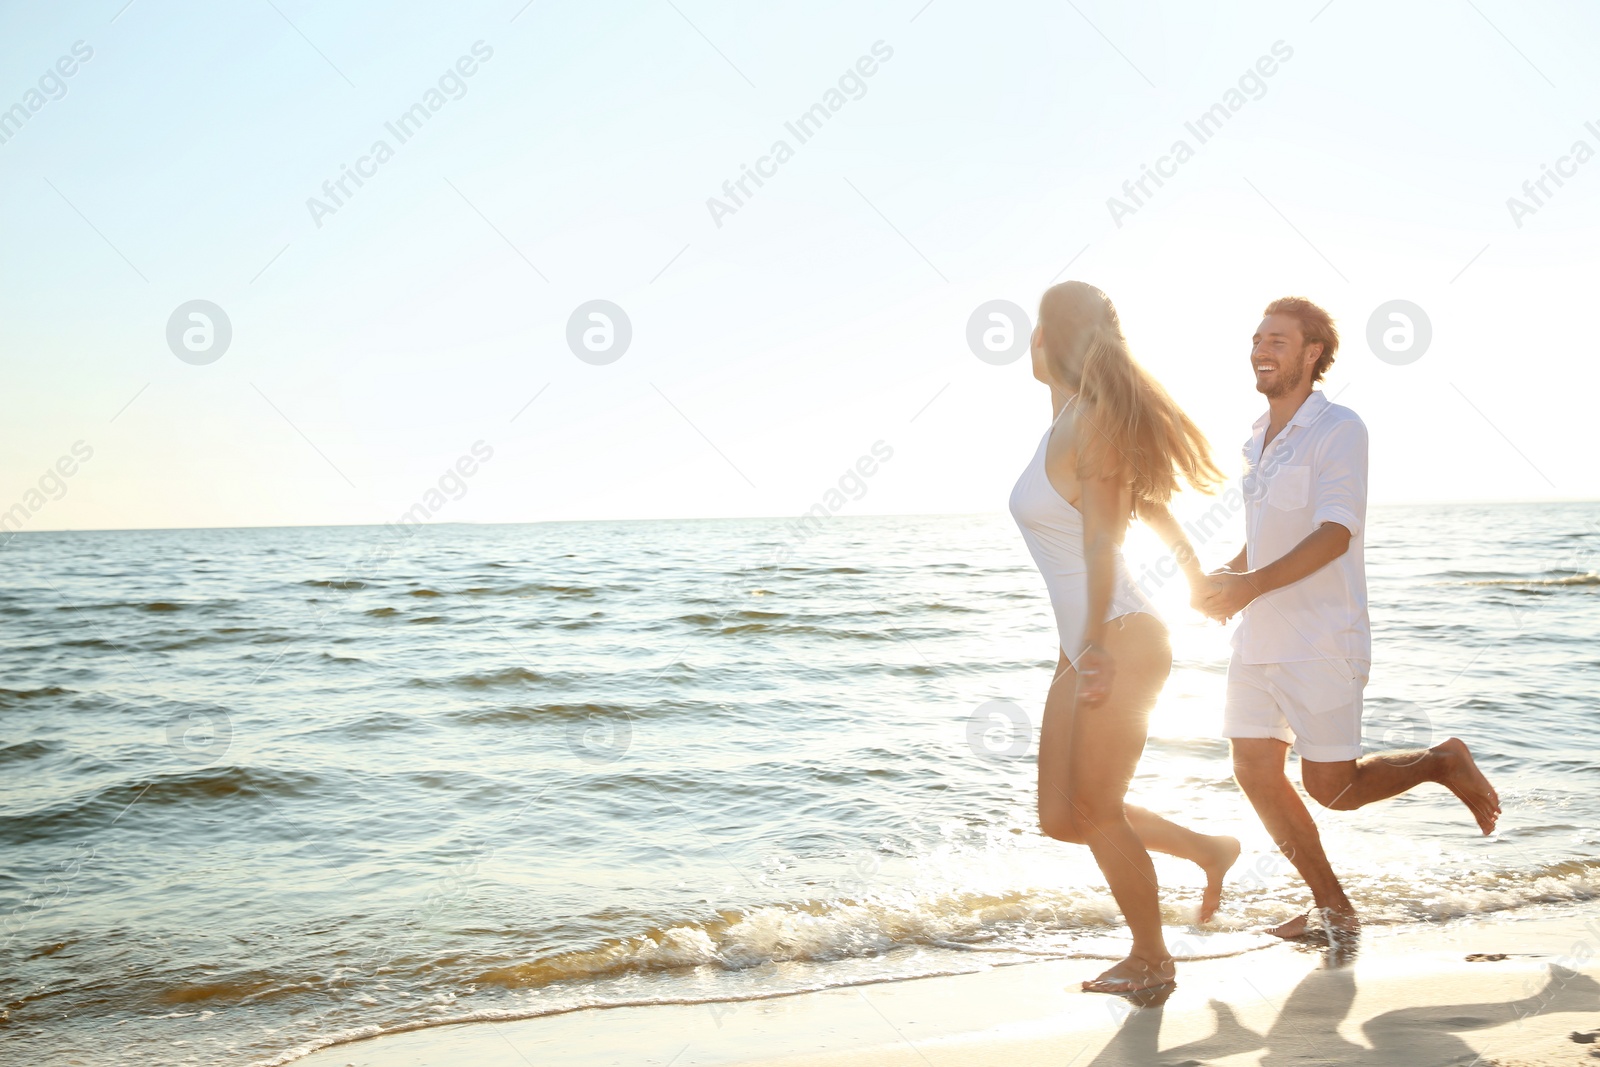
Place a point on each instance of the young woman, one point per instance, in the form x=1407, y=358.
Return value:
x=1114, y=451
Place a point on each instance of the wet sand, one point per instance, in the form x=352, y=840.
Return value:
x=1492, y=992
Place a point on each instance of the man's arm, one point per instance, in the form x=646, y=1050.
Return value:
x=1339, y=508
x=1231, y=592
x=1321, y=547
x=1206, y=599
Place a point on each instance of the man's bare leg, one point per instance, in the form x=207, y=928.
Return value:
x=1258, y=765
x=1351, y=784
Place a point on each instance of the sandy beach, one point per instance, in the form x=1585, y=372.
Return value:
x=1506, y=992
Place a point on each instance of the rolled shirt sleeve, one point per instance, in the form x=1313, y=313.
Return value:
x=1320, y=477
x=1341, y=477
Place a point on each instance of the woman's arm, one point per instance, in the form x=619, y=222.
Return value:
x=1159, y=518
x=1104, y=504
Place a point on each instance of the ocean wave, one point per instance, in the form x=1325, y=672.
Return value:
x=10, y=697
x=801, y=629
x=90, y=810
x=184, y=639
x=528, y=590
x=373, y=724
x=26, y=750
x=921, y=670
x=153, y=606
x=810, y=931
x=1485, y=892
x=523, y=713
x=217, y=783
x=1029, y=918
x=88, y=642
x=267, y=637
x=1592, y=578
x=334, y=583
x=995, y=928
x=534, y=589
x=485, y=680
x=701, y=618
x=747, y=621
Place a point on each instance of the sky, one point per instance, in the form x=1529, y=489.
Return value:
x=405, y=341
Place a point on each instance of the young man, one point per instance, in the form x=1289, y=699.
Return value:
x=1304, y=644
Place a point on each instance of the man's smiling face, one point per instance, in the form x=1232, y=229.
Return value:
x=1280, y=356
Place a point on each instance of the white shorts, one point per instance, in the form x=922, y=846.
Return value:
x=1314, y=705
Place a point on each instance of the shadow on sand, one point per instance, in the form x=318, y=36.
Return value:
x=1306, y=1029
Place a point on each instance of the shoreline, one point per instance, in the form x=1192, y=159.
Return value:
x=1410, y=997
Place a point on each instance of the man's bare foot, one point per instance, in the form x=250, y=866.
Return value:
x=1462, y=777
x=1224, y=854
x=1133, y=975
x=1292, y=930
x=1335, y=923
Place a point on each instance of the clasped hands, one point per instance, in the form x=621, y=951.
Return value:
x=1221, y=594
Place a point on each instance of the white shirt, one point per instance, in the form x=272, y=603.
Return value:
x=1315, y=471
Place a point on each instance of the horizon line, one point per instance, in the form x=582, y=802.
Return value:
x=701, y=518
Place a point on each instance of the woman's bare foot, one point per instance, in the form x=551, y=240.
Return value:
x=1133, y=975
x=1224, y=854
x=1335, y=922
x=1462, y=777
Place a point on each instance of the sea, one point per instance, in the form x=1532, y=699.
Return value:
x=267, y=790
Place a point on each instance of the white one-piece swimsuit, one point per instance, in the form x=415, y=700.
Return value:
x=1053, y=531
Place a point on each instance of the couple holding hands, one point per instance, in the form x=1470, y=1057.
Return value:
x=1115, y=450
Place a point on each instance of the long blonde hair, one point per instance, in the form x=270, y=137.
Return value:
x=1128, y=427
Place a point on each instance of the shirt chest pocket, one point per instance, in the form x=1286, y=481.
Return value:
x=1290, y=488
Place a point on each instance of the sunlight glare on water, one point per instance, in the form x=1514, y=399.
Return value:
x=265, y=788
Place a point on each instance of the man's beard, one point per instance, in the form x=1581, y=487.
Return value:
x=1285, y=385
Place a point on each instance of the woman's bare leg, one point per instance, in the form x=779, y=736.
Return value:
x=1108, y=740
x=1214, y=854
